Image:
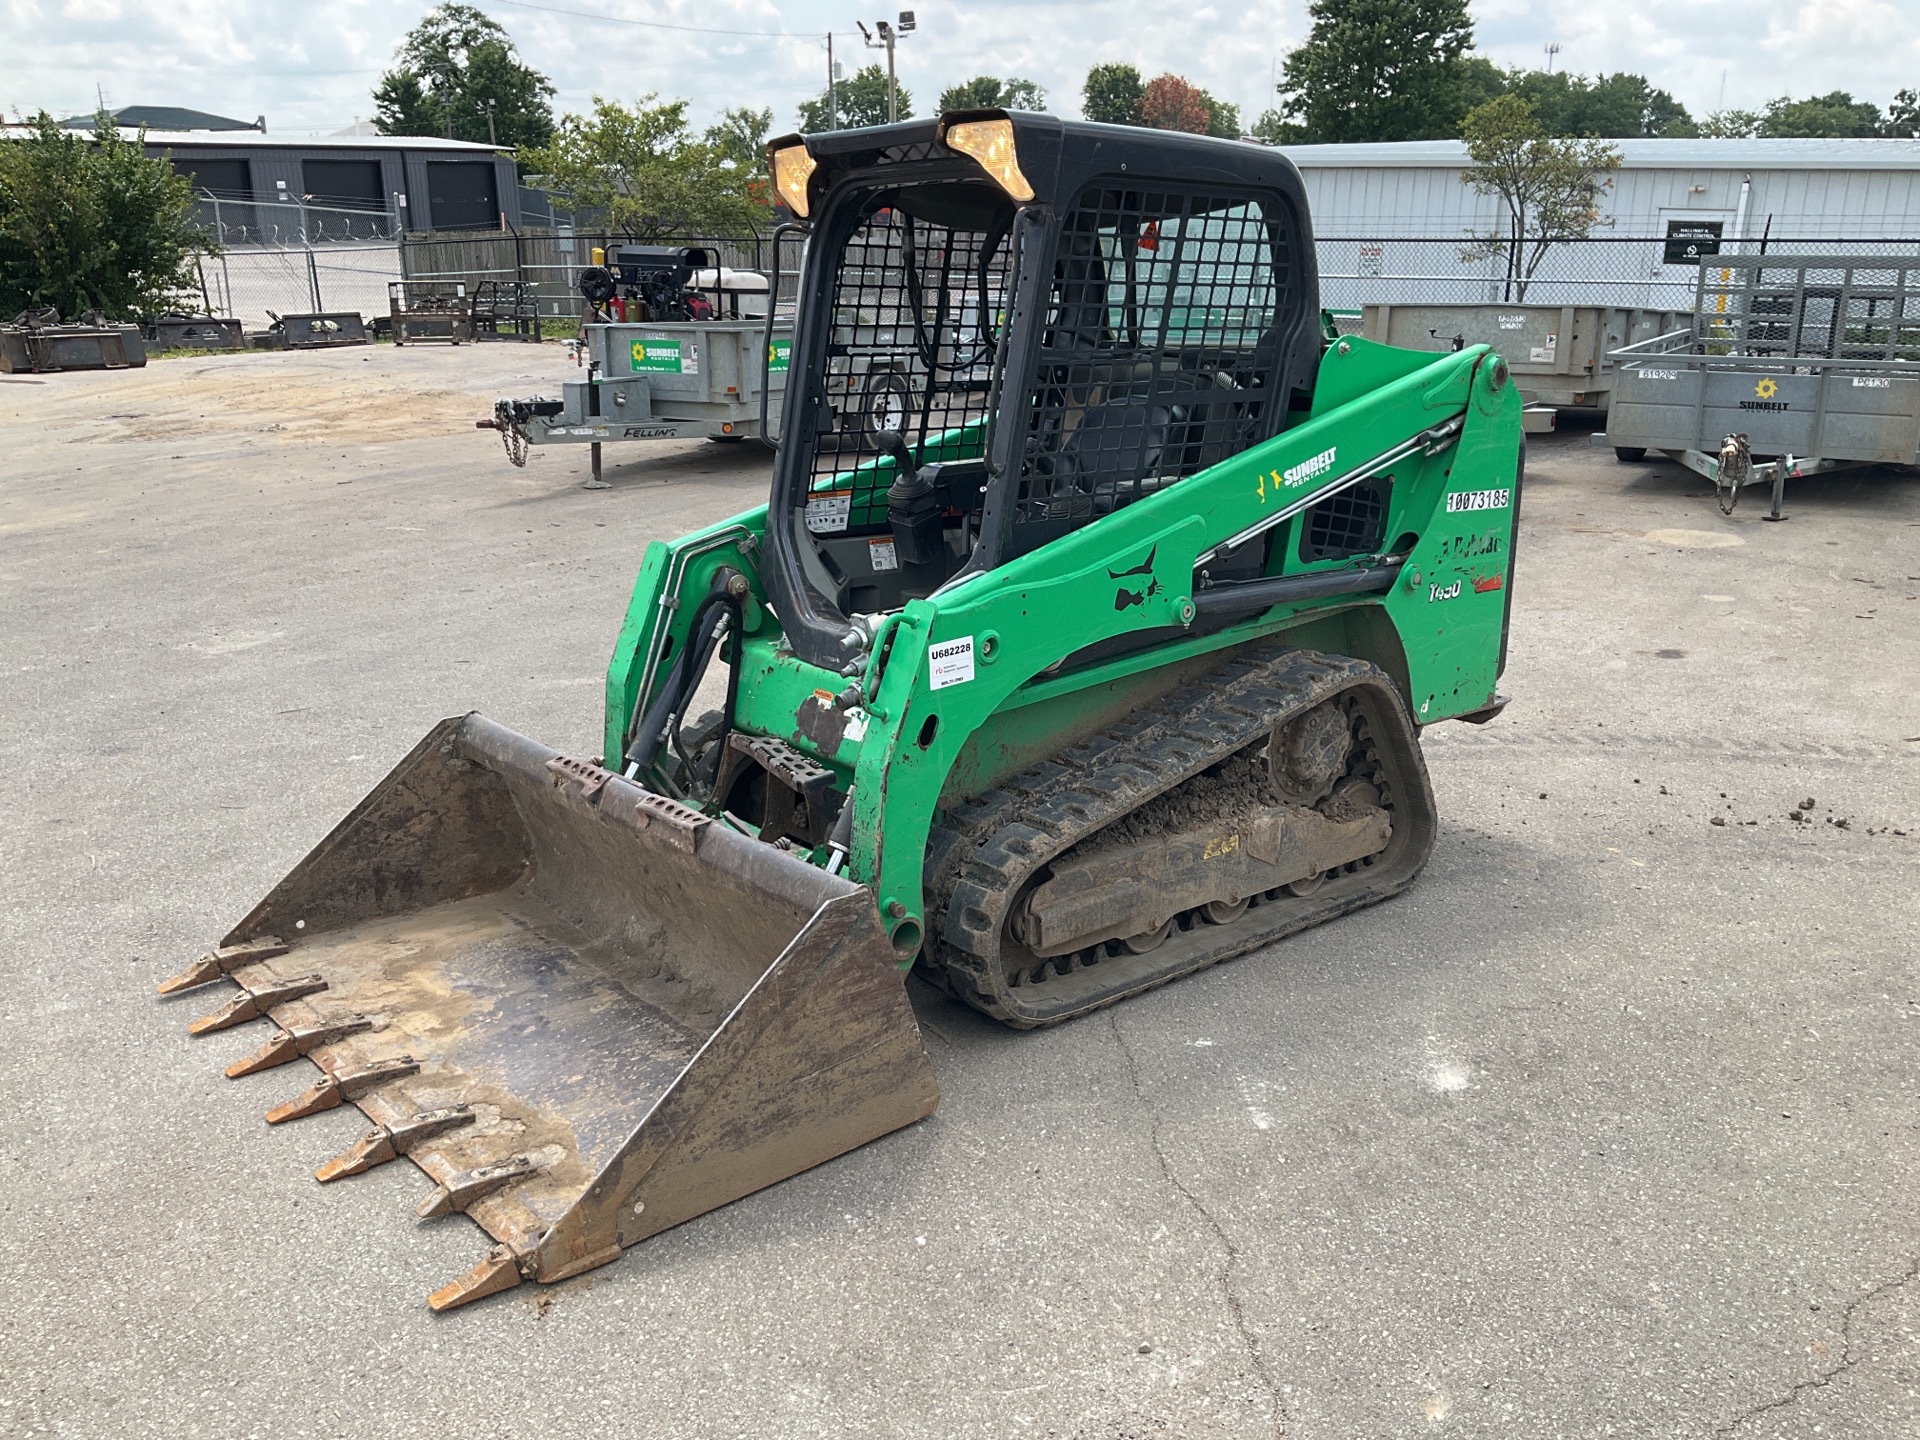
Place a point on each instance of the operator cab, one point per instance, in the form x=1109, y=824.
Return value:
x=1009, y=326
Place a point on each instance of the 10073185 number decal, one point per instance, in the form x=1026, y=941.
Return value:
x=1479, y=500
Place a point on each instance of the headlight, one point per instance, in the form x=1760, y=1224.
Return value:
x=793, y=167
x=990, y=142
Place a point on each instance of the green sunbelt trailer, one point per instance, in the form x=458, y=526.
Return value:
x=1097, y=656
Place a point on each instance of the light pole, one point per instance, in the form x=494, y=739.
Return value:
x=885, y=40
x=833, y=86
x=490, y=137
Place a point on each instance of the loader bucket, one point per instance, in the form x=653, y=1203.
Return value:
x=587, y=1012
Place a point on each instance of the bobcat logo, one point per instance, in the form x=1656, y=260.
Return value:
x=1124, y=598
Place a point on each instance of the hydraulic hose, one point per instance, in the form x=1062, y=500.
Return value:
x=649, y=736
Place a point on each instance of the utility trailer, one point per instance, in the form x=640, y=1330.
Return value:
x=1560, y=354
x=676, y=354
x=1792, y=365
x=655, y=380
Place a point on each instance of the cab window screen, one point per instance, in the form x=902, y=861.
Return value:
x=1159, y=351
x=918, y=303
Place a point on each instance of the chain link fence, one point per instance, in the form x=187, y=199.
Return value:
x=551, y=262
x=1605, y=270
x=294, y=257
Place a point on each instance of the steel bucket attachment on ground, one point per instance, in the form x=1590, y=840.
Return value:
x=587, y=1012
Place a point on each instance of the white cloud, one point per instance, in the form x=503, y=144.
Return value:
x=312, y=68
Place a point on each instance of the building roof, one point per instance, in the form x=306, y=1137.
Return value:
x=165, y=117
x=1635, y=155
x=254, y=140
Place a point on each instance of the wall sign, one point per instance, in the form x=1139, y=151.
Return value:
x=1688, y=240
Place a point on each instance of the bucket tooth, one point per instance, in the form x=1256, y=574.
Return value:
x=255, y=1002
x=499, y=1271
x=330, y=1091
x=224, y=961
x=290, y=1045
x=390, y=1142
x=463, y=1190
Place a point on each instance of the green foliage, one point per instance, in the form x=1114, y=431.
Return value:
x=1620, y=105
x=990, y=92
x=451, y=67
x=1903, y=115
x=740, y=135
x=1550, y=187
x=93, y=224
x=1380, y=70
x=1111, y=94
x=1834, y=116
x=1273, y=128
x=1223, y=117
x=861, y=100
x=1730, y=125
x=643, y=167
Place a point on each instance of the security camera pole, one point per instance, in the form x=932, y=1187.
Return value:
x=885, y=41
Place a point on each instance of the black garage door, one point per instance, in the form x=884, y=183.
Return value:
x=461, y=195
x=348, y=184
x=232, y=220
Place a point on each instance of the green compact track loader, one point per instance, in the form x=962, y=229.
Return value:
x=1084, y=642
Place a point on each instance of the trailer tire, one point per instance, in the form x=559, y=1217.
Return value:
x=887, y=401
x=1629, y=453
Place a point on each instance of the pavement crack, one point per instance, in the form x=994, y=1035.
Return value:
x=1235, y=1307
x=1840, y=1367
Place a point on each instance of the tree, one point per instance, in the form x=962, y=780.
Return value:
x=1380, y=70
x=91, y=223
x=1111, y=94
x=1549, y=187
x=1903, y=115
x=1224, y=120
x=1172, y=102
x=740, y=135
x=456, y=70
x=861, y=99
x=1834, y=116
x=1730, y=125
x=989, y=92
x=1273, y=128
x=1622, y=105
x=644, y=168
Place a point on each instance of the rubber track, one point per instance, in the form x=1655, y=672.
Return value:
x=982, y=852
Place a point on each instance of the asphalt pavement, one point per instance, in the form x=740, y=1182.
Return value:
x=1609, y=1126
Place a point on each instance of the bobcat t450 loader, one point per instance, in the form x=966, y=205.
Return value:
x=1089, y=651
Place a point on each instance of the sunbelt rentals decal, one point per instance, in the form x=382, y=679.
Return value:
x=1296, y=475
x=1311, y=469
x=662, y=355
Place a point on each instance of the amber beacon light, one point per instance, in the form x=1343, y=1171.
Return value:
x=792, y=168
x=990, y=142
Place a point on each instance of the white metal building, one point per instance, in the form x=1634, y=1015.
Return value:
x=1392, y=218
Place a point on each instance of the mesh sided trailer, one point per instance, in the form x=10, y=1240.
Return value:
x=1791, y=365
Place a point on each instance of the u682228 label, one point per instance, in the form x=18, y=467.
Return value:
x=1479, y=500
x=951, y=662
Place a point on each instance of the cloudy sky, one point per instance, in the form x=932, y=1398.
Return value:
x=310, y=67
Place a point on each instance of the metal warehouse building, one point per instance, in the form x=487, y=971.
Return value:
x=262, y=182
x=1392, y=219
